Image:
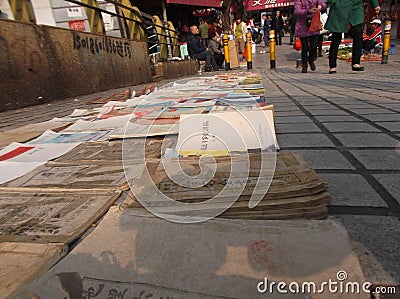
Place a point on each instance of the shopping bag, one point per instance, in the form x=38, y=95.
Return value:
x=245, y=52
x=316, y=24
x=297, y=44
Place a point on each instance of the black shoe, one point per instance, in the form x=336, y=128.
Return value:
x=208, y=69
x=312, y=65
x=357, y=69
x=332, y=72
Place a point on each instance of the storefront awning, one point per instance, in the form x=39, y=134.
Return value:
x=205, y=3
x=263, y=4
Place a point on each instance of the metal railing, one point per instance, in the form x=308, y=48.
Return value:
x=133, y=24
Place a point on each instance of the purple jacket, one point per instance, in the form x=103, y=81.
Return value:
x=301, y=8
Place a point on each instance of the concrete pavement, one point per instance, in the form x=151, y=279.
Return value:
x=346, y=125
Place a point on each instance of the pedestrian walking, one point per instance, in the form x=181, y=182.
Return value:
x=305, y=10
x=277, y=25
x=266, y=27
x=347, y=16
x=240, y=31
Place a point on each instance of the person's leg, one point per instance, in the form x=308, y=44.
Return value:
x=241, y=48
x=213, y=62
x=313, y=47
x=237, y=42
x=279, y=39
x=320, y=40
x=304, y=51
x=369, y=45
x=313, y=51
x=219, y=59
x=205, y=55
x=356, y=34
x=334, y=48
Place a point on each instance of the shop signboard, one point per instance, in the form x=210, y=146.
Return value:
x=263, y=4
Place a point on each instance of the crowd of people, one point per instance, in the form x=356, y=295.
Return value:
x=205, y=42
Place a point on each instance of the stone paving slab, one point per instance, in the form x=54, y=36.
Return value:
x=292, y=119
x=379, y=159
x=358, y=106
x=392, y=126
x=289, y=113
x=325, y=159
x=369, y=111
x=377, y=243
x=391, y=183
x=351, y=190
x=349, y=127
x=383, y=117
x=304, y=140
x=297, y=128
x=287, y=108
x=367, y=140
x=332, y=118
x=327, y=112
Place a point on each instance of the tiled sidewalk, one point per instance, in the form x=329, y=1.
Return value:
x=347, y=126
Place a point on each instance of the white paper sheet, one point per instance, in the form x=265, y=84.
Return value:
x=135, y=130
x=53, y=137
x=230, y=131
x=99, y=125
x=20, y=152
x=18, y=159
x=13, y=170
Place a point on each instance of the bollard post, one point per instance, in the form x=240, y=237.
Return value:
x=386, y=42
x=226, y=52
x=248, y=51
x=272, y=48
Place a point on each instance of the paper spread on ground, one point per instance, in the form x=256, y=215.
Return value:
x=134, y=255
x=103, y=124
x=18, y=159
x=53, y=137
x=226, y=132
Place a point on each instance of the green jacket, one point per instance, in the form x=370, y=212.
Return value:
x=345, y=12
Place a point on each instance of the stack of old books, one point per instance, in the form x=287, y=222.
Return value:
x=246, y=186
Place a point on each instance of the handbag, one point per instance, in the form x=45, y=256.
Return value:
x=297, y=44
x=316, y=24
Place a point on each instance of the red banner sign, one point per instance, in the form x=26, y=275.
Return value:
x=205, y=3
x=263, y=4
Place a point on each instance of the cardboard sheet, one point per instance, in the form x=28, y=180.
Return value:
x=22, y=263
x=139, y=255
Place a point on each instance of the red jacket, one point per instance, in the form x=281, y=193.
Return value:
x=376, y=35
